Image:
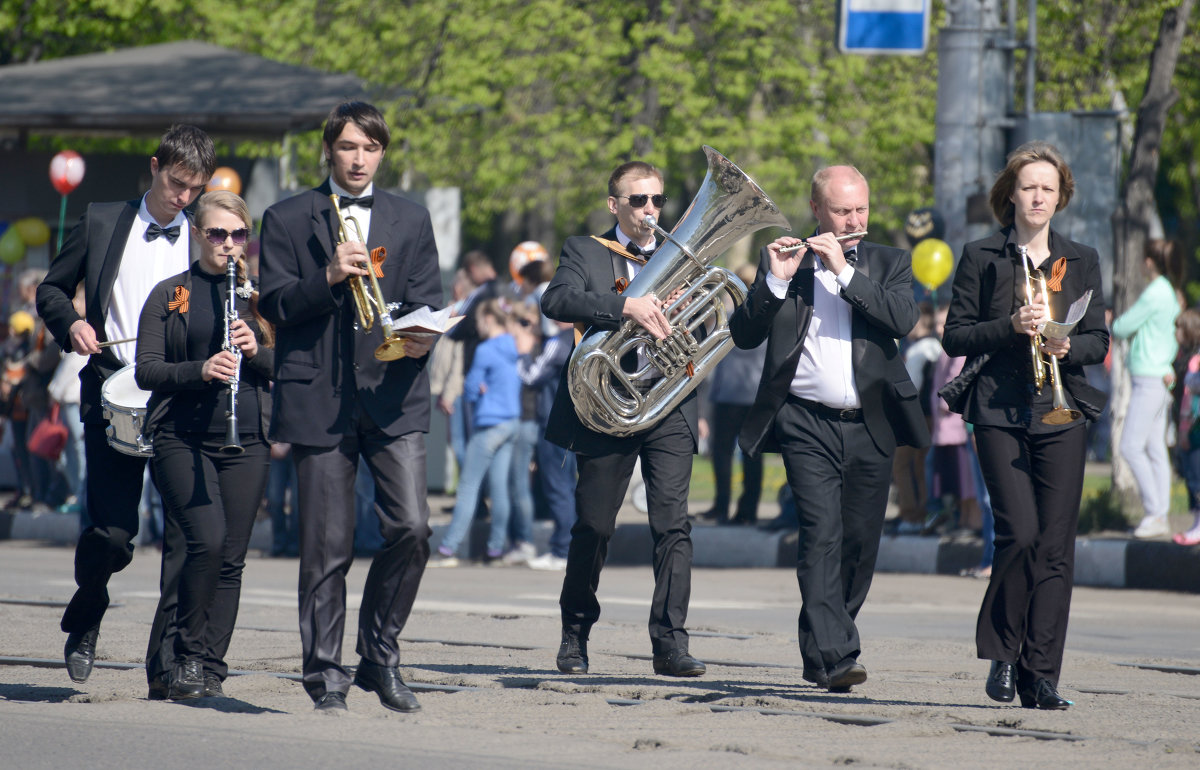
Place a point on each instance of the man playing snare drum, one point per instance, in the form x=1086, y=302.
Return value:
x=119, y=251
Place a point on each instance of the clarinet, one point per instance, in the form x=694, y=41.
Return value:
x=232, y=445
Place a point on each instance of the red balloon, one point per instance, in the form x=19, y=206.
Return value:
x=66, y=171
x=225, y=178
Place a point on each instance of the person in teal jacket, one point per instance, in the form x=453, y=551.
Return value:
x=1151, y=324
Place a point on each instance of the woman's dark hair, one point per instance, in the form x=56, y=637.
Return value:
x=1000, y=198
x=1164, y=255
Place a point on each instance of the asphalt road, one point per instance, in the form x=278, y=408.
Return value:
x=479, y=651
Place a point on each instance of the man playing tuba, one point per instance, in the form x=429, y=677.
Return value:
x=586, y=290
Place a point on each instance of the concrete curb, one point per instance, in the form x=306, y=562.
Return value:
x=1102, y=562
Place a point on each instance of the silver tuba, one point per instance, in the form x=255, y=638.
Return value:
x=728, y=207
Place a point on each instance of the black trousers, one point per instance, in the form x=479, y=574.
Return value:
x=727, y=422
x=666, y=454
x=327, y=475
x=210, y=500
x=1036, y=482
x=839, y=480
x=114, y=490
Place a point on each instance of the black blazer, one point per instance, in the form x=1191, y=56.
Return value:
x=979, y=322
x=91, y=253
x=323, y=366
x=583, y=291
x=882, y=311
x=163, y=366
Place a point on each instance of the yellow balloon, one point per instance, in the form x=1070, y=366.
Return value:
x=33, y=231
x=932, y=262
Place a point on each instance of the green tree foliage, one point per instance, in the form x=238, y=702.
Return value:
x=528, y=104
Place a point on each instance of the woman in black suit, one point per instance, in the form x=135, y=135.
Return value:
x=1033, y=469
x=209, y=493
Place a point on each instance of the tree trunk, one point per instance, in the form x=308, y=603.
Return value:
x=1133, y=218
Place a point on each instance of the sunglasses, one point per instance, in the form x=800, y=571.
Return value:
x=217, y=235
x=639, y=200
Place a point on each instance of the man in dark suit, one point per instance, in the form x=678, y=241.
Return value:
x=334, y=402
x=586, y=291
x=835, y=399
x=120, y=251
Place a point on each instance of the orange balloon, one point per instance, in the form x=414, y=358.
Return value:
x=225, y=178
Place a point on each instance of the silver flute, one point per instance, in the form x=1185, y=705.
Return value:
x=804, y=242
x=233, y=445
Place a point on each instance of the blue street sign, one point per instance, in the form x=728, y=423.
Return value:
x=883, y=26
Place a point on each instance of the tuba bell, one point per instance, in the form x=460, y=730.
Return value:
x=728, y=206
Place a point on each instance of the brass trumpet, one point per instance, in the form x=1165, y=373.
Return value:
x=369, y=304
x=1060, y=413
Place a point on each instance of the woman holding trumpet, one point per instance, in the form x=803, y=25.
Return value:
x=204, y=354
x=1029, y=402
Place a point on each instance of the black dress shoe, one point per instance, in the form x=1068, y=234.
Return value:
x=572, y=654
x=385, y=682
x=1042, y=695
x=678, y=663
x=817, y=676
x=159, y=687
x=846, y=677
x=80, y=653
x=331, y=702
x=1001, y=682
x=187, y=681
x=212, y=686
x=713, y=515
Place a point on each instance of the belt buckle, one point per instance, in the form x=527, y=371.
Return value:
x=847, y=415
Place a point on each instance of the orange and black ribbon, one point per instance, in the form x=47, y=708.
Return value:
x=378, y=255
x=622, y=284
x=1057, y=273
x=180, y=302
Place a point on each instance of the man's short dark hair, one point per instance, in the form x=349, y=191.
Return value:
x=187, y=146
x=365, y=116
x=637, y=169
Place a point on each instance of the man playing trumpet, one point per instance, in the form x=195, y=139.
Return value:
x=586, y=290
x=334, y=401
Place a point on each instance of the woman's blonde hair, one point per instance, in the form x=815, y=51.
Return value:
x=233, y=203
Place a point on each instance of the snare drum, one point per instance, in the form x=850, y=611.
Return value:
x=125, y=409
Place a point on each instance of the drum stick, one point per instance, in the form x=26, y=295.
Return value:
x=110, y=343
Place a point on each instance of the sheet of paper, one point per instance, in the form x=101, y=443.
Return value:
x=423, y=321
x=1056, y=330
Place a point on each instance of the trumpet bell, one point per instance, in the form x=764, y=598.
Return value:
x=1060, y=415
x=392, y=349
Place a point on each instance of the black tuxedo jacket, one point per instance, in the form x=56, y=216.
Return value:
x=91, y=253
x=323, y=366
x=979, y=322
x=583, y=291
x=882, y=311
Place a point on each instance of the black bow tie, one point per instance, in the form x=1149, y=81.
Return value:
x=170, y=233
x=365, y=202
x=851, y=256
x=636, y=251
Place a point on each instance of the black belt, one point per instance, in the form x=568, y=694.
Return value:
x=828, y=412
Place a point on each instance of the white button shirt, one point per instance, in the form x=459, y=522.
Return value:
x=825, y=373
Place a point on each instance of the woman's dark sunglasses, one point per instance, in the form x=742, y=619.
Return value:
x=639, y=200
x=217, y=235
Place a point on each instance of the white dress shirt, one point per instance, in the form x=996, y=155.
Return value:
x=632, y=268
x=143, y=265
x=825, y=373
x=362, y=214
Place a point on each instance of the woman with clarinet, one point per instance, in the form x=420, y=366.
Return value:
x=205, y=355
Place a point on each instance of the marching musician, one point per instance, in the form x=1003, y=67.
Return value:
x=834, y=399
x=334, y=401
x=1033, y=469
x=586, y=290
x=120, y=251
x=211, y=487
